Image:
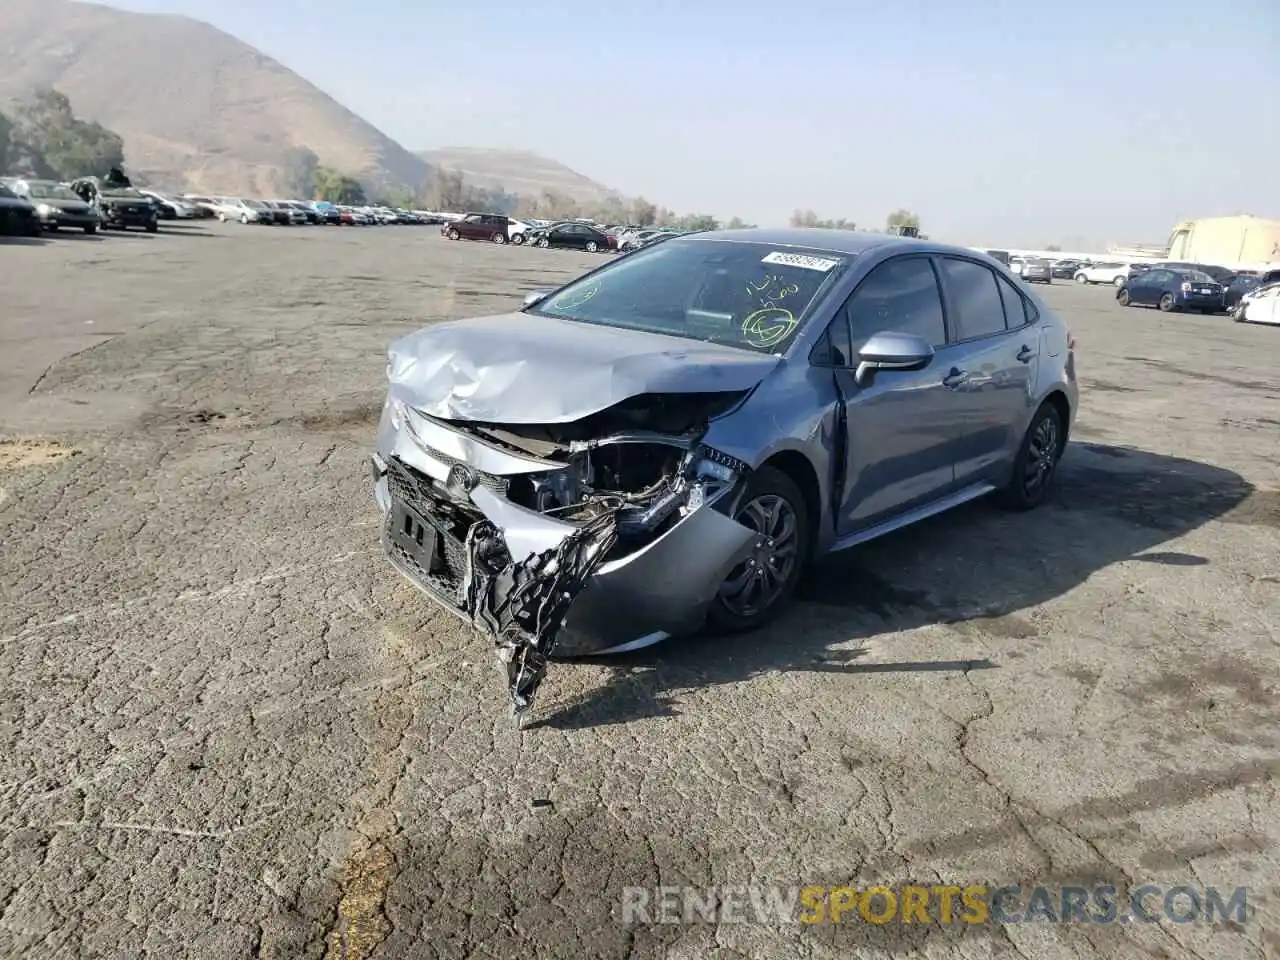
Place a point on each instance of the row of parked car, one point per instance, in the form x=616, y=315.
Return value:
x=1170, y=286
x=30, y=207
x=247, y=210
x=566, y=234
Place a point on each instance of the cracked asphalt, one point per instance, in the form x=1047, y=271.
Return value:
x=228, y=729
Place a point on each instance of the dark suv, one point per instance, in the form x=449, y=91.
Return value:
x=479, y=226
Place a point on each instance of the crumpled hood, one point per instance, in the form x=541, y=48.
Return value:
x=520, y=368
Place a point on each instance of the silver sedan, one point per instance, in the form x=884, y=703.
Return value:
x=668, y=440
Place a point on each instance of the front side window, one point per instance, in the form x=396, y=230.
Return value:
x=744, y=294
x=975, y=299
x=899, y=295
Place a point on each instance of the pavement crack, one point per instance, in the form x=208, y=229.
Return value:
x=106, y=338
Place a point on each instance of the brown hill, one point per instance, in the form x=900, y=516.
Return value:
x=517, y=171
x=197, y=108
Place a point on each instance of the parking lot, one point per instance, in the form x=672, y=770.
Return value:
x=229, y=729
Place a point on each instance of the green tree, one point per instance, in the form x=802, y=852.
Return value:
x=399, y=198
x=300, y=166
x=807, y=218
x=643, y=213
x=901, y=218
x=337, y=187
x=68, y=146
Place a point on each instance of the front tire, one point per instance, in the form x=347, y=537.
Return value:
x=452, y=234
x=758, y=588
x=1081, y=278
x=91, y=228
x=1037, y=460
x=544, y=243
x=1122, y=297
x=153, y=227
x=518, y=239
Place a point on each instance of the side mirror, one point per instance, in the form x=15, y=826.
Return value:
x=887, y=350
x=534, y=297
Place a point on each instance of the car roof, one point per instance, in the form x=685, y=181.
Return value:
x=835, y=241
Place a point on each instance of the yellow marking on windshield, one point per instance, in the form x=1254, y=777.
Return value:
x=768, y=327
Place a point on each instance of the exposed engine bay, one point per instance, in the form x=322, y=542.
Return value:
x=606, y=485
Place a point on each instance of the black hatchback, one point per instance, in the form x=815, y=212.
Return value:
x=17, y=216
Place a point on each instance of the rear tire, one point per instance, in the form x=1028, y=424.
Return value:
x=153, y=227
x=732, y=612
x=91, y=228
x=499, y=238
x=1037, y=461
x=1166, y=303
x=592, y=246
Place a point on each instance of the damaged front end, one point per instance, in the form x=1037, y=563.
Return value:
x=604, y=529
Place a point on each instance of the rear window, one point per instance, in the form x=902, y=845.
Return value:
x=749, y=295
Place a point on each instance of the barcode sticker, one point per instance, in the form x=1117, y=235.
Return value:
x=800, y=260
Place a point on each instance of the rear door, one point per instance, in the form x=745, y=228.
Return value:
x=995, y=350
x=1148, y=286
x=900, y=427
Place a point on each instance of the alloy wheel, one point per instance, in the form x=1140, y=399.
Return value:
x=591, y=246
x=755, y=584
x=1042, y=455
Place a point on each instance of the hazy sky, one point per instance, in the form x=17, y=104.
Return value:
x=997, y=122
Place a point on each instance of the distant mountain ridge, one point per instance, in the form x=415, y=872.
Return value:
x=518, y=171
x=197, y=108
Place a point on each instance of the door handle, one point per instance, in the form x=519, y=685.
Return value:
x=1026, y=354
x=955, y=378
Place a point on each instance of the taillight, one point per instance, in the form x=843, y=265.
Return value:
x=1186, y=286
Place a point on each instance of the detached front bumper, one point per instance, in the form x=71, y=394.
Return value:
x=661, y=589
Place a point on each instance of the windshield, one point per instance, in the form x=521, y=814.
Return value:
x=7, y=193
x=255, y=205
x=52, y=191
x=748, y=295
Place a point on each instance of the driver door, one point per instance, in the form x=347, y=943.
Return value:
x=902, y=425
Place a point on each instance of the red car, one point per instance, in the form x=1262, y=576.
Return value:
x=494, y=227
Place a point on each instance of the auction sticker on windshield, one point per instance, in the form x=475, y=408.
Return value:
x=801, y=260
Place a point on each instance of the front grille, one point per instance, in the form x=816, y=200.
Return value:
x=417, y=490
x=494, y=482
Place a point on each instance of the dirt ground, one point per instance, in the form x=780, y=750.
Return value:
x=228, y=729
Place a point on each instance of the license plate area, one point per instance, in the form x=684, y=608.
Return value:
x=415, y=537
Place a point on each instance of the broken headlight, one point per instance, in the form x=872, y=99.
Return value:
x=718, y=465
